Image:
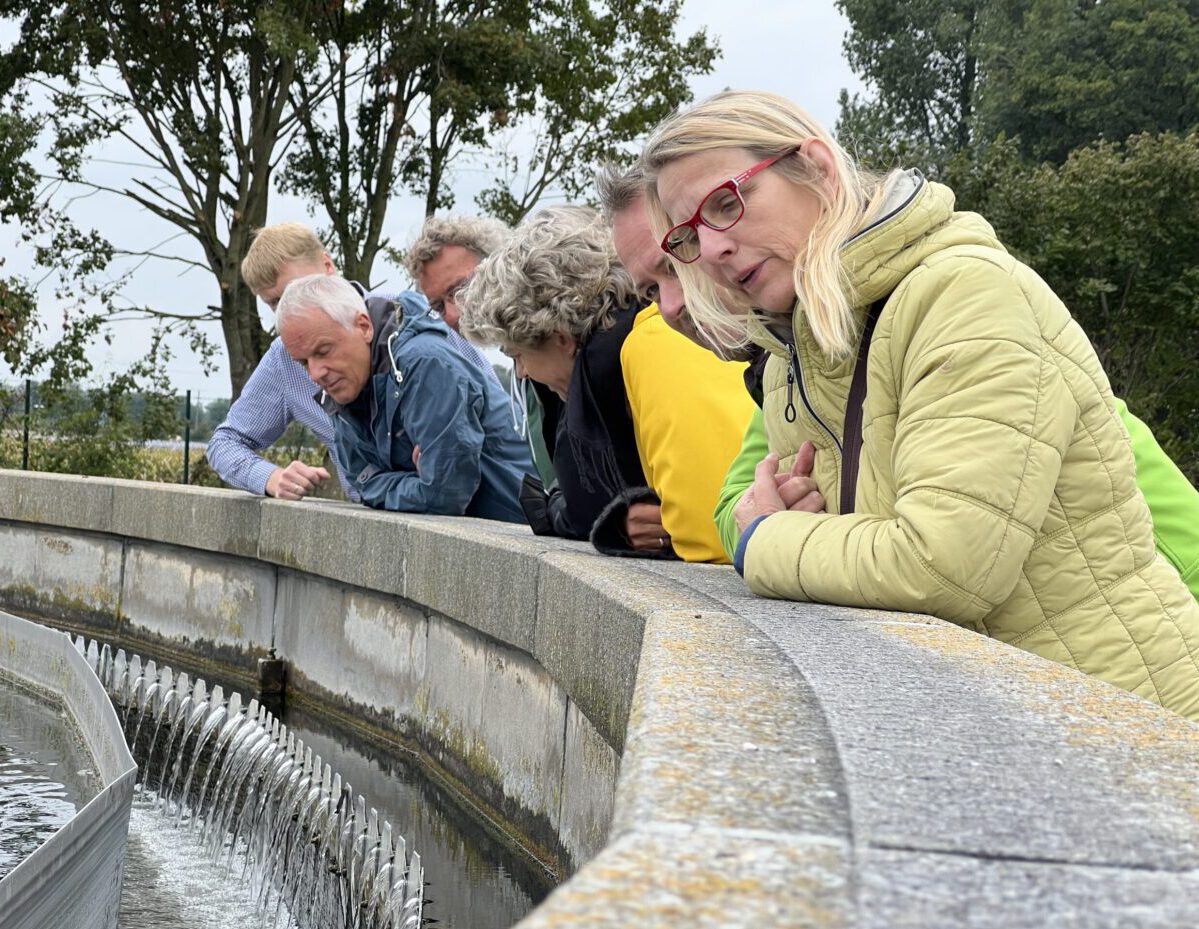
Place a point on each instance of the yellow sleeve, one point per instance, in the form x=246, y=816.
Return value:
x=689, y=410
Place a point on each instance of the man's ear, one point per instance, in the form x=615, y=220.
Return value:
x=327, y=264
x=364, y=327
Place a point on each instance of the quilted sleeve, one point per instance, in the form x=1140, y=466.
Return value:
x=984, y=418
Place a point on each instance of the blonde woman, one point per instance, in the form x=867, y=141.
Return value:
x=977, y=469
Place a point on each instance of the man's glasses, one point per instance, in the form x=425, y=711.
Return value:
x=721, y=209
x=451, y=296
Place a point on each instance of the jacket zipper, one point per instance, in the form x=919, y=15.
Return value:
x=795, y=377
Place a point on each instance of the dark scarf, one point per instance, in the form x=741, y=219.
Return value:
x=595, y=455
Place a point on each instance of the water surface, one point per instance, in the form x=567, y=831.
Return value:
x=46, y=774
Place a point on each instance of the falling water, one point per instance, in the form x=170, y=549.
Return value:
x=262, y=805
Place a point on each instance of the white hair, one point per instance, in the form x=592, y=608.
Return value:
x=332, y=295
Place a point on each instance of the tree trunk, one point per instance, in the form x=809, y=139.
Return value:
x=245, y=338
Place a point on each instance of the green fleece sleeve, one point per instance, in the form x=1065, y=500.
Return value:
x=738, y=479
x=1173, y=502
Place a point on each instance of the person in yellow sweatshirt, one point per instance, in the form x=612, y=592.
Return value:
x=650, y=421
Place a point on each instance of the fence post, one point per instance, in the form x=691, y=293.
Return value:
x=28, y=412
x=187, y=436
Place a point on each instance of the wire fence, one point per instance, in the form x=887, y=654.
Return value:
x=151, y=437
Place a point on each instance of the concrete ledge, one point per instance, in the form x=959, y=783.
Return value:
x=190, y=516
x=775, y=764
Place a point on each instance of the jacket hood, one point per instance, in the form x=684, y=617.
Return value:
x=917, y=220
x=395, y=324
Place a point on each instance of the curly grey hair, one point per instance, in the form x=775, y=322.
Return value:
x=619, y=188
x=557, y=273
x=479, y=234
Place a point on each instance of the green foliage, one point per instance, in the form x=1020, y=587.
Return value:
x=412, y=88
x=1071, y=126
x=197, y=95
x=1115, y=231
x=344, y=104
x=605, y=75
x=947, y=76
x=920, y=59
x=1062, y=75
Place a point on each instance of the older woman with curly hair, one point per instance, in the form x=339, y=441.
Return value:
x=967, y=442
x=650, y=420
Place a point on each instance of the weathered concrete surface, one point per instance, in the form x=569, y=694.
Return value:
x=312, y=539
x=589, y=625
x=683, y=877
x=182, y=595
x=589, y=772
x=198, y=517
x=777, y=764
x=719, y=716
x=462, y=570
x=362, y=649
x=72, y=576
x=64, y=500
x=497, y=721
x=906, y=890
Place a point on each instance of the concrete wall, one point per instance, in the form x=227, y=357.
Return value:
x=73, y=879
x=775, y=764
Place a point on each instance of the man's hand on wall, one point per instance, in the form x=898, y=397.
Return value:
x=295, y=481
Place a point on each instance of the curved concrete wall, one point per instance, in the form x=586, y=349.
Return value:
x=707, y=757
x=73, y=879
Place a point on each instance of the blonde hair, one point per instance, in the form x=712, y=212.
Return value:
x=276, y=246
x=558, y=272
x=766, y=124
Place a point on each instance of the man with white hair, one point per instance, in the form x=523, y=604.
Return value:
x=278, y=392
x=418, y=428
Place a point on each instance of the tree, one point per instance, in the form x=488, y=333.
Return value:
x=413, y=88
x=950, y=75
x=921, y=61
x=199, y=91
x=1062, y=75
x=353, y=102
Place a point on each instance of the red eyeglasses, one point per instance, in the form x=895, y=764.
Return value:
x=721, y=209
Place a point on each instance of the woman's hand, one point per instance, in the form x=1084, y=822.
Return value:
x=796, y=487
x=772, y=492
x=644, y=528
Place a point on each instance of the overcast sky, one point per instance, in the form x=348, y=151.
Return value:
x=779, y=45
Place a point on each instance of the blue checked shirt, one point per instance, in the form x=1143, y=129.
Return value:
x=278, y=393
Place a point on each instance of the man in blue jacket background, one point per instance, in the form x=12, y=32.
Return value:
x=419, y=429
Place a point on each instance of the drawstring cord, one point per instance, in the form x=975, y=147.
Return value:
x=790, y=412
x=518, y=404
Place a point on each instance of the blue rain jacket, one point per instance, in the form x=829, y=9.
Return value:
x=423, y=392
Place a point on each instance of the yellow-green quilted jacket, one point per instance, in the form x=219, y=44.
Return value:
x=996, y=485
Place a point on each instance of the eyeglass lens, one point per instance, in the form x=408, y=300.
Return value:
x=721, y=210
